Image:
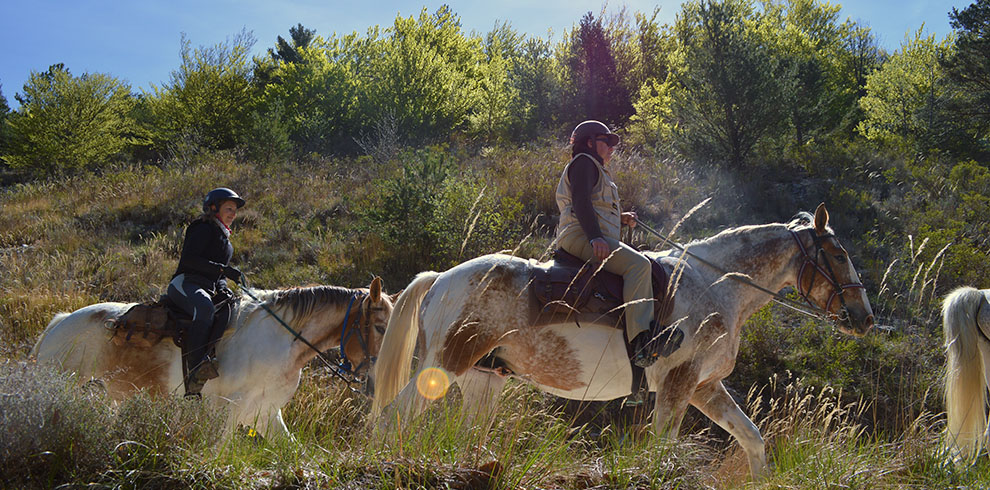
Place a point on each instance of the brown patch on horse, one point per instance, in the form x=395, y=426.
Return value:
x=547, y=359
x=131, y=368
x=681, y=382
x=465, y=345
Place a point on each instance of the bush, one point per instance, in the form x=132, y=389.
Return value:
x=67, y=123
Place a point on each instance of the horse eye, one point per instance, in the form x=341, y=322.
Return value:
x=380, y=329
x=840, y=257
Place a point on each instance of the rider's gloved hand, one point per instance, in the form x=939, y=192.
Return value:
x=231, y=272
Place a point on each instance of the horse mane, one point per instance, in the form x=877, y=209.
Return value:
x=800, y=221
x=300, y=303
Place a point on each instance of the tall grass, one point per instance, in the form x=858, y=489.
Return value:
x=115, y=236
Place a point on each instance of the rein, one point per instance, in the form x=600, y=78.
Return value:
x=336, y=369
x=775, y=296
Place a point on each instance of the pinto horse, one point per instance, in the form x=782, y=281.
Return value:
x=259, y=361
x=481, y=308
x=966, y=322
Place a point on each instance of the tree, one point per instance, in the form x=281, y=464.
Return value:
x=724, y=97
x=67, y=123
x=596, y=90
x=906, y=100
x=208, y=98
x=493, y=116
x=290, y=53
x=969, y=63
x=4, y=110
x=423, y=75
x=536, y=78
x=317, y=95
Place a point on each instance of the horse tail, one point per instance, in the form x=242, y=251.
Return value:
x=51, y=325
x=394, y=364
x=965, y=386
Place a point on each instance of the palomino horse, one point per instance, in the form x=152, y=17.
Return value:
x=259, y=361
x=966, y=322
x=482, y=308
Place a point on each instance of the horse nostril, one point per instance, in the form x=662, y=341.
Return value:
x=869, y=322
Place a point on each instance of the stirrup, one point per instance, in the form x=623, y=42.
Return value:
x=206, y=370
x=648, y=348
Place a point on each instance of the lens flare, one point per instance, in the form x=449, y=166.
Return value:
x=432, y=383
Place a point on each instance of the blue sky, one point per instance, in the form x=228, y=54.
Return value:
x=139, y=40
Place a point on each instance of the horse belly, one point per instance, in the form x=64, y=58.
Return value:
x=579, y=363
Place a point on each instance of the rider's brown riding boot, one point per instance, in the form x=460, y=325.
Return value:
x=650, y=345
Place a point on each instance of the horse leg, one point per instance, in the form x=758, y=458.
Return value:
x=673, y=394
x=714, y=401
x=479, y=397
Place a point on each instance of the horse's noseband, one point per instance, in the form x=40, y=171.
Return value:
x=826, y=272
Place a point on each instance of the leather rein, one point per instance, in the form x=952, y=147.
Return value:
x=343, y=369
x=816, y=268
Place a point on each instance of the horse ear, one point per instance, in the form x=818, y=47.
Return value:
x=376, y=289
x=821, y=218
x=395, y=297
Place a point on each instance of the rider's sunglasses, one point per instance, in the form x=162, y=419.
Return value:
x=610, y=139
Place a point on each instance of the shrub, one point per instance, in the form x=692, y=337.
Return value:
x=67, y=123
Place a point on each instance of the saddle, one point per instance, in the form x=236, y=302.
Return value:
x=157, y=320
x=572, y=286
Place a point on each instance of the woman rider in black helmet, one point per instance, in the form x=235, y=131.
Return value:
x=203, y=265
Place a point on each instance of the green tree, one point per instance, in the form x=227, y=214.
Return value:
x=807, y=37
x=536, y=77
x=422, y=74
x=969, y=64
x=907, y=98
x=493, y=117
x=67, y=123
x=595, y=90
x=291, y=53
x=317, y=95
x=4, y=110
x=725, y=96
x=207, y=100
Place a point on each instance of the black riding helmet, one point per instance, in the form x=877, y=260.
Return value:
x=219, y=195
x=590, y=129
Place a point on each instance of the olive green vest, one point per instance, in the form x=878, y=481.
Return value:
x=604, y=199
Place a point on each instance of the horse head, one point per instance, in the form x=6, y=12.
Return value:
x=371, y=318
x=827, y=278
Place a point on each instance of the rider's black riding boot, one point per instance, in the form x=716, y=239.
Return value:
x=650, y=345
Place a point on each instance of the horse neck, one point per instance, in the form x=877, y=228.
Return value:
x=767, y=254
x=318, y=319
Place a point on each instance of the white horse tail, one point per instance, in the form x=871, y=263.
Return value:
x=394, y=364
x=52, y=324
x=965, y=385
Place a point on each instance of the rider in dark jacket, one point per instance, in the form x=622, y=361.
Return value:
x=203, y=265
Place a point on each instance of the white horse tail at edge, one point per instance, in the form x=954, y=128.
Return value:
x=966, y=321
x=392, y=371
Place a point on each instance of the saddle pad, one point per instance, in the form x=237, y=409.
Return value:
x=150, y=321
x=570, y=284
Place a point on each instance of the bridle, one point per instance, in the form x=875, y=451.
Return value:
x=826, y=272
x=346, y=334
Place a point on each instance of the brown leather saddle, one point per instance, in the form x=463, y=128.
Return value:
x=147, y=324
x=572, y=286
